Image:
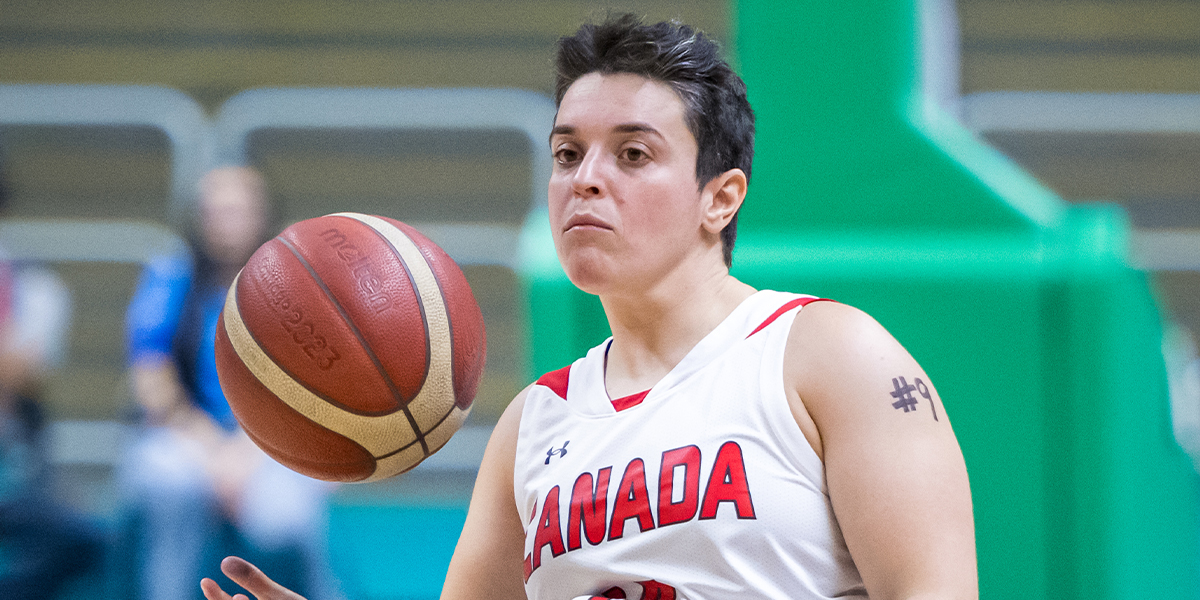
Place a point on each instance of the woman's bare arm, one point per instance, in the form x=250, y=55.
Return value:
x=488, y=561
x=896, y=476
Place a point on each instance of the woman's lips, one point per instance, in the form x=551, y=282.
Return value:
x=586, y=222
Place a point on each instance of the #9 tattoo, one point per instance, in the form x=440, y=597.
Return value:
x=903, y=393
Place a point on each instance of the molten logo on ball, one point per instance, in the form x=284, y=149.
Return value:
x=360, y=265
x=400, y=381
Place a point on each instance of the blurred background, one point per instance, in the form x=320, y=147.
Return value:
x=1099, y=100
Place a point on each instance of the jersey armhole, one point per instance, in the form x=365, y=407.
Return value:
x=783, y=423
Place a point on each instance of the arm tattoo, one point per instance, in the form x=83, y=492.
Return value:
x=903, y=393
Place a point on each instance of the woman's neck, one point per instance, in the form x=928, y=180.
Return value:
x=653, y=329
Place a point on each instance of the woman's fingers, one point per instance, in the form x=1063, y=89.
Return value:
x=212, y=591
x=249, y=577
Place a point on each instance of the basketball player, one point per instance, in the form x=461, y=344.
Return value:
x=725, y=442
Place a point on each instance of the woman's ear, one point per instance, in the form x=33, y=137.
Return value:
x=723, y=196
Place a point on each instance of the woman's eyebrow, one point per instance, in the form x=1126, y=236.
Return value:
x=636, y=127
x=562, y=130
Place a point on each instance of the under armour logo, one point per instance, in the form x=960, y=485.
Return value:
x=557, y=451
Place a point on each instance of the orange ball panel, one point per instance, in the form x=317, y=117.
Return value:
x=371, y=283
x=295, y=323
x=284, y=434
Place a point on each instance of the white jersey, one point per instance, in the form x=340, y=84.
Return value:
x=701, y=488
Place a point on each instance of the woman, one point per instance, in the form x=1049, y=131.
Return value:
x=725, y=442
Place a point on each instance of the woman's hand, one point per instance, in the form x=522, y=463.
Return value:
x=249, y=577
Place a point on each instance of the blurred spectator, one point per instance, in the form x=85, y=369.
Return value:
x=193, y=480
x=43, y=544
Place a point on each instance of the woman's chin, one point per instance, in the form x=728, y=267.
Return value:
x=593, y=276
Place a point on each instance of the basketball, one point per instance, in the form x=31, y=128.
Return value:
x=350, y=347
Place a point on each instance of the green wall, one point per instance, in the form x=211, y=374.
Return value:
x=1043, y=341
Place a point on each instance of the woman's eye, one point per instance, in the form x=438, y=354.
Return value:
x=634, y=154
x=566, y=156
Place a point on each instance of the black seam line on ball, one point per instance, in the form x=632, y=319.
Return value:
x=399, y=450
x=412, y=421
x=412, y=282
x=290, y=374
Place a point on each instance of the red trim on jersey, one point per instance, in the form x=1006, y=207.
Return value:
x=786, y=307
x=629, y=401
x=633, y=400
x=557, y=381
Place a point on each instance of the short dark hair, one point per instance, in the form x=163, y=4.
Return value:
x=714, y=97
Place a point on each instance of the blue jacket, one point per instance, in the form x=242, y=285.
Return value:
x=155, y=328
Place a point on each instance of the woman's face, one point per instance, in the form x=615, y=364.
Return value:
x=625, y=206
